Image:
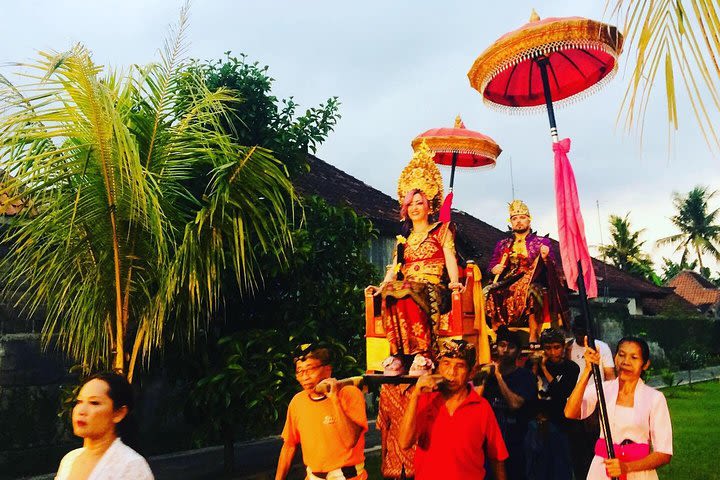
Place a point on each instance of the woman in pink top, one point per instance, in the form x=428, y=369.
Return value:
x=638, y=416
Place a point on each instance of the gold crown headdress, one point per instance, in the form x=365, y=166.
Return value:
x=422, y=174
x=518, y=207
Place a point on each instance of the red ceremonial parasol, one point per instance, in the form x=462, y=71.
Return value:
x=556, y=59
x=579, y=54
x=458, y=147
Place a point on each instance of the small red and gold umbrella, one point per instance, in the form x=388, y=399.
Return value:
x=458, y=147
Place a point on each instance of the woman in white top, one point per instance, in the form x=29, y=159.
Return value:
x=99, y=416
x=638, y=415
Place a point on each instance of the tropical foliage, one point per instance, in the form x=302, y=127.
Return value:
x=625, y=251
x=261, y=118
x=677, y=38
x=141, y=202
x=699, y=227
x=670, y=268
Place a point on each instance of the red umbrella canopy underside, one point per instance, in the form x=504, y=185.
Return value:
x=581, y=56
x=473, y=149
x=570, y=72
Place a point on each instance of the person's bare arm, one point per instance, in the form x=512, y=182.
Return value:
x=544, y=370
x=287, y=452
x=514, y=400
x=616, y=467
x=349, y=430
x=452, y=267
x=408, y=428
x=573, y=407
x=498, y=469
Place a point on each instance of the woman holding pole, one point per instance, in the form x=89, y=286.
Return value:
x=638, y=415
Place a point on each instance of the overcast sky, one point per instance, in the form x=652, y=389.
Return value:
x=399, y=68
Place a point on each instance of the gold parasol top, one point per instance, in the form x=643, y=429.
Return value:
x=539, y=38
x=462, y=141
x=422, y=174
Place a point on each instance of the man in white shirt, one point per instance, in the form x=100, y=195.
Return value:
x=584, y=433
x=576, y=351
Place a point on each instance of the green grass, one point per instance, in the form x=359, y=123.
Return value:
x=696, y=432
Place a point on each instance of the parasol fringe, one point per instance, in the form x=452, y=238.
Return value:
x=552, y=47
x=521, y=110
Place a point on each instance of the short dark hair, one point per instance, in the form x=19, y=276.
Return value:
x=579, y=326
x=644, y=347
x=458, y=349
x=316, y=351
x=507, y=335
x=120, y=392
x=552, y=335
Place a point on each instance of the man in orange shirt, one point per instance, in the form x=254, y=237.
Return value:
x=330, y=426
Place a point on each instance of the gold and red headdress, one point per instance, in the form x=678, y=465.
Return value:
x=422, y=174
x=518, y=207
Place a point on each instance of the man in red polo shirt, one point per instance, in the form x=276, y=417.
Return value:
x=455, y=428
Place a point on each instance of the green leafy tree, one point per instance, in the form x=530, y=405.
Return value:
x=699, y=228
x=625, y=251
x=671, y=269
x=690, y=357
x=316, y=295
x=243, y=370
x=141, y=201
x=262, y=119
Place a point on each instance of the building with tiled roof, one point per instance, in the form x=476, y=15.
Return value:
x=475, y=239
x=698, y=291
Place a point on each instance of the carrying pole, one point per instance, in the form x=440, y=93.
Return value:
x=542, y=63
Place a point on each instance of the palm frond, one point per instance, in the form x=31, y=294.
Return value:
x=666, y=35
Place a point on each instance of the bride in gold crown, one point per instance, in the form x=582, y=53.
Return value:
x=415, y=290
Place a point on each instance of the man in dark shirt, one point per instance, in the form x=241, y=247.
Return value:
x=546, y=444
x=511, y=391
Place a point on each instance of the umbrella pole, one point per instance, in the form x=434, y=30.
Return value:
x=584, y=306
x=452, y=169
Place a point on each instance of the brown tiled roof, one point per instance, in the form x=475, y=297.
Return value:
x=338, y=188
x=696, y=289
x=475, y=238
x=671, y=302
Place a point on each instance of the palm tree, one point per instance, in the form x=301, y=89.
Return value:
x=680, y=38
x=698, y=227
x=122, y=250
x=625, y=251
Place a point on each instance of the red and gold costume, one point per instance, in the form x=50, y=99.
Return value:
x=414, y=303
x=529, y=284
x=396, y=461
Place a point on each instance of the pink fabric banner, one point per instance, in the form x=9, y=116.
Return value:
x=446, y=209
x=571, y=228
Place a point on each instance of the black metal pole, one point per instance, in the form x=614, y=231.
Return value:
x=542, y=63
x=452, y=169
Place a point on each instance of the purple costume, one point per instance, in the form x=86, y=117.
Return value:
x=528, y=285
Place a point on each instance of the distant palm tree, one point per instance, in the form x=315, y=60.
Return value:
x=141, y=203
x=625, y=251
x=681, y=40
x=699, y=230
